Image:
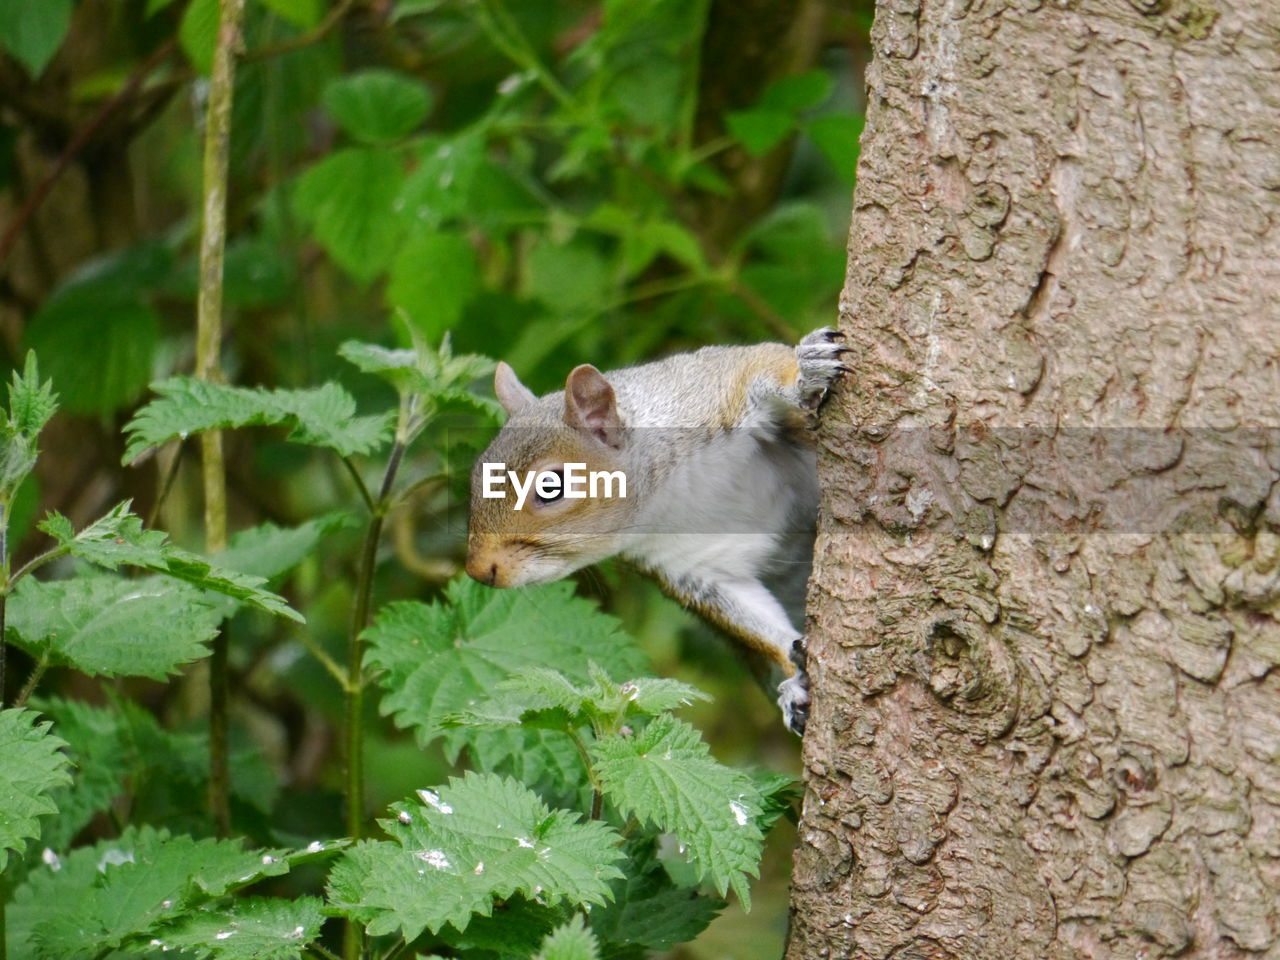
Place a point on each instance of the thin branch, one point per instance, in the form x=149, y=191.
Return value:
x=29, y=687
x=361, y=486
x=81, y=140
x=312, y=36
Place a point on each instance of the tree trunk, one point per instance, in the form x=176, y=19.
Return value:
x=1046, y=717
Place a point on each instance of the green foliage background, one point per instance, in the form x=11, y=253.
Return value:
x=550, y=182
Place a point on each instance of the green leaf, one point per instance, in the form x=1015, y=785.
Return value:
x=438, y=660
x=440, y=187
x=304, y=13
x=31, y=404
x=836, y=135
x=648, y=908
x=118, y=539
x=324, y=416
x=108, y=626
x=377, y=106
x=665, y=776
x=198, y=33
x=570, y=277
x=803, y=91
x=348, y=201
x=98, y=898
x=33, y=766
x=155, y=6
x=760, y=130
x=255, y=928
x=98, y=351
x=33, y=30
x=433, y=277
x=435, y=376
x=481, y=838
x=572, y=941
x=269, y=551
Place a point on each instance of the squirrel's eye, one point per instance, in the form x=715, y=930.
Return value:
x=551, y=492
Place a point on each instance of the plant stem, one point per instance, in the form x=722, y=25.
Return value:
x=4, y=595
x=597, y=795
x=36, y=673
x=355, y=649
x=213, y=242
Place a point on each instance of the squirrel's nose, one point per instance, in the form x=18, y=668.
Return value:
x=483, y=570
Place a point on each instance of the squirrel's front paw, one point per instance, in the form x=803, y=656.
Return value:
x=793, y=698
x=818, y=355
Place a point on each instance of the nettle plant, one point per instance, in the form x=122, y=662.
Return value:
x=586, y=820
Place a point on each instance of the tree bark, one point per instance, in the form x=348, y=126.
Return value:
x=1043, y=645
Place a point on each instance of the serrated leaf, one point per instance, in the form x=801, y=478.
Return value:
x=33, y=30
x=433, y=277
x=481, y=838
x=760, y=130
x=33, y=767
x=348, y=201
x=32, y=402
x=98, y=898
x=255, y=928
x=649, y=909
x=438, y=660
x=198, y=33
x=324, y=416
x=111, y=375
x=377, y=106
x=118, y=539
x=665, y=775
x=572, y=941
x=108, y=626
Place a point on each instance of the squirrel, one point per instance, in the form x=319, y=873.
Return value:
x=708, y=483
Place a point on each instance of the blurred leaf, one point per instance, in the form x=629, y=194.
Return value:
x=33, y=30
x=348, y=199
x=801, y=91
x=269, y=551
x=571, y=277
x=836, y=135
x=118, y=539
x=572, y=941
x=33, y=766
x=198, y=33
x=377, y=106
x=665, y=776
x=99, y=352
x=304, y=13
x=432, y=278
x=324, y=416
x=264, y=928
x=441, y=186
x=109, y=626
x=479, y=839
x=760, y=130
x=155, y=6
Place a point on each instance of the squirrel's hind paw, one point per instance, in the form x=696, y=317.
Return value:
x=793, y=698
x=819, y=356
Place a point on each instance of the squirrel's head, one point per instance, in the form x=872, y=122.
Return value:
x=549, y=495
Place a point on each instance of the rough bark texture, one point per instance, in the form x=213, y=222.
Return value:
x=1044, y=643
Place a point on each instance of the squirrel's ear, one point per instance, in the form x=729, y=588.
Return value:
x=512, y=394
x=590, y=406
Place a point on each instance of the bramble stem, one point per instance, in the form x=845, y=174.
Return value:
x=213, y=242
